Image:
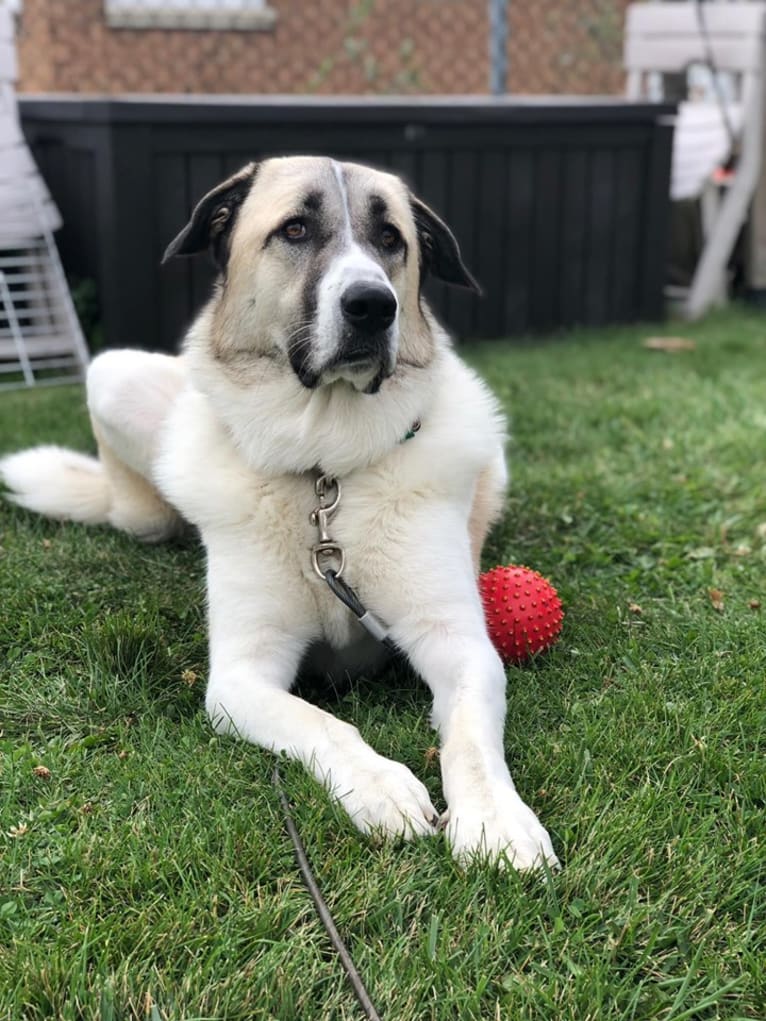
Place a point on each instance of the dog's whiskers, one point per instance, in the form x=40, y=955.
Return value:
x=300, y=338
x=294, y=329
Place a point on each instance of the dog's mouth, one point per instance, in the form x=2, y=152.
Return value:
x=365, y=375
x=364, y=363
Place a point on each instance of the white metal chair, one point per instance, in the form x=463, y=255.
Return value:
x=40, y=336
x=670, y=37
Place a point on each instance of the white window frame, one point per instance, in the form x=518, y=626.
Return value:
x=197, y=15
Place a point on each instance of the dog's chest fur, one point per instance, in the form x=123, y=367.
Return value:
x=261, y=522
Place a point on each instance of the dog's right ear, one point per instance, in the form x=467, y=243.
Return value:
x=213, y=219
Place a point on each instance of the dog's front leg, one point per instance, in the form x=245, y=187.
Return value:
x=437, y=619
x=256, y=643
x=486, y=814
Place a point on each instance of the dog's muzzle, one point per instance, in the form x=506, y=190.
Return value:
x=368, y=310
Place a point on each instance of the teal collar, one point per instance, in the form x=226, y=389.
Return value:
x=410, y=434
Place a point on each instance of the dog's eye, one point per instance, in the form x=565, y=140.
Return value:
x=295, y=230
x=390, y=237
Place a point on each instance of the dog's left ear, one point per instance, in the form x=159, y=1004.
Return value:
x=213, y=219
x=439, y=250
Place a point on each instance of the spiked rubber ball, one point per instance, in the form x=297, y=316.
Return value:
x=523, y=611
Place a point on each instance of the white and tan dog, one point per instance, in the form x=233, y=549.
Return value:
x=317, y=355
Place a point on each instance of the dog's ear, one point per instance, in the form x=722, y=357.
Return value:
x=439, y=251
x=213, y=219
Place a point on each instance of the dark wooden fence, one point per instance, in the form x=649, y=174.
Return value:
x=560, y=206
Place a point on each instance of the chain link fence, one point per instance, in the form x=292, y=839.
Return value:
x=566, y=46
x=323, y=46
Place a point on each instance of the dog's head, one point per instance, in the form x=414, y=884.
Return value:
x=322, y=263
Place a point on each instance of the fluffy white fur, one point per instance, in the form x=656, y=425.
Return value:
x=238, y=460
x=59, y=483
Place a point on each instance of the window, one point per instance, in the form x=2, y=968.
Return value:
x=192, y=14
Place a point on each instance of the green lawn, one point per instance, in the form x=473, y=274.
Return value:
x=149, y=873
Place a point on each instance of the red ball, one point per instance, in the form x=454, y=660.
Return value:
x=523, y=611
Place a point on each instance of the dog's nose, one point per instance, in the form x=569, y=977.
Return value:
x=370, y=308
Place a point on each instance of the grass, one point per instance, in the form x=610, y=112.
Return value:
x=148, y=874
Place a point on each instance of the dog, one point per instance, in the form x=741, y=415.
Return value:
x=318, y=422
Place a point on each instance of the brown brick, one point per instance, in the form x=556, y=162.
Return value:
x=327, y=46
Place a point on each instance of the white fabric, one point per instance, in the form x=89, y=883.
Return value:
x=701, y=143
x=26, y=207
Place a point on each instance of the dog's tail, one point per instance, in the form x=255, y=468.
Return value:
x=59, y=483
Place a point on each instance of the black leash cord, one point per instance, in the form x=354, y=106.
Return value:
x=713, y=68
x=321, y=906
x=350, y=599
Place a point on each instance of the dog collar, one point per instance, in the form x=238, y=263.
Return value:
x=413, y=429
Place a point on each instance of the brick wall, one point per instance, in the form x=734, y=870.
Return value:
x=559, y=46
x=327, y=46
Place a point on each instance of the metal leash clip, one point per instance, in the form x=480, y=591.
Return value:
x=331, y=552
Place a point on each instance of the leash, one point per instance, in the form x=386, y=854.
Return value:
x=328, y=558
x=322, y=909
x=712, y=66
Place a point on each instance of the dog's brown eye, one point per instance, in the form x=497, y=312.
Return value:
x=295, y=230
x=390, y=237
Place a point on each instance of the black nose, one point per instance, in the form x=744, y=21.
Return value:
x=370, y=308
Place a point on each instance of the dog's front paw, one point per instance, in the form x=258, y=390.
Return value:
x=382, y=797
x=497, y=828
